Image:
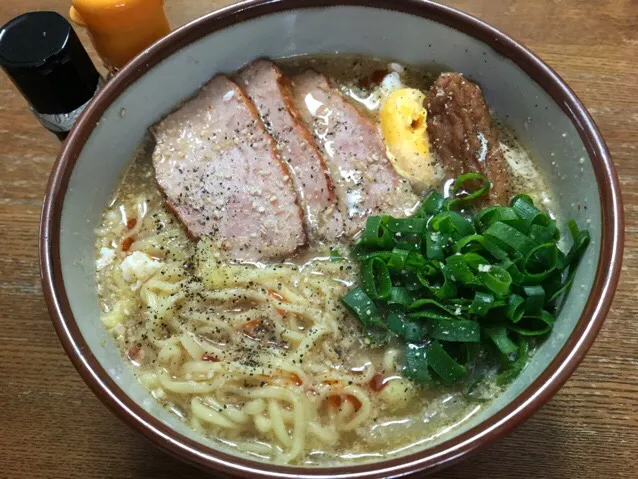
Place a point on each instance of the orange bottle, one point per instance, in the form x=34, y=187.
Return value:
x=120, y=29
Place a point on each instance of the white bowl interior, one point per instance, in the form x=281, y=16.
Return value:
x=514, y=97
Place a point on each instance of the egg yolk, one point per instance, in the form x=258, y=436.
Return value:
x=403, y=119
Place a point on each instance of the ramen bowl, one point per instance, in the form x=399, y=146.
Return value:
x=519, y=87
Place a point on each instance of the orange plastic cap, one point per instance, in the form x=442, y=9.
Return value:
x=120, y=29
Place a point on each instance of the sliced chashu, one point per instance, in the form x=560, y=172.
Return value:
x=463, y=136
x=269, y=90
x=365, y=181
x=223, y=177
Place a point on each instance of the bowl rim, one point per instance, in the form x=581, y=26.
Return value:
x=439, y=456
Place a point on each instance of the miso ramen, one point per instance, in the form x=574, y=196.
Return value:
x=256, y=270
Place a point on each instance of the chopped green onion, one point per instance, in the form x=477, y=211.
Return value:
x=460, y=270
x=408, y=329
x=469, y=243
x=375, y=279
x=400, y=295
x=524, y=197
x=494, y=249
x=540, y=262
x=508, y=238
x=413, y=330
x=475, y=260
x=452, y=222
x=512, y=268
x=430, y=304
x=416, y=363
x=535, y=300
x=481, y=304
x=463, y=284
x=444, y=365
x=463, y=184
x=363, y=308
x=409, y=242
x=432, y=204
x=454, y=330
x=502, y=341
x=415, y=261
x=528, y=213
x=515, y=308
x=406, y=225
x=494, y=214
x=544, y=234
x=376, y=234
x=580, y=239
x=566, y=285
x=435, y=244
x=396, y=323
x=534, y=325
x=448, y=289
x=396, y=260
x=496, y=279
x=517, y=366
x=411, y=281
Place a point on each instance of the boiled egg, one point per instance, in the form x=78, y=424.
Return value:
x=138, y=268
x=403, y=120
x=390, y=83
x=107, y=255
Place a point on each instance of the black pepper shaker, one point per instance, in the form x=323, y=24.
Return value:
x=46, y=61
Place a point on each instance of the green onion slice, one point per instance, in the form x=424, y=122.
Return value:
x=465, y=188
x=363, y=308
x=446, y=367
x=496, y=279
x=515, y=308
x=482, y=303
x=454, y=330
x=500, y=338
x=416, y=363
x=432, y=204
x=517, y=366
x=534, y=325
x=376, y=234
x=375, y=279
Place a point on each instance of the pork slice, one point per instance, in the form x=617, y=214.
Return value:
x=222, y=176
x=364, y=179
x=269, y=90
x=463, y=136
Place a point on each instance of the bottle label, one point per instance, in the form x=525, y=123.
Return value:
x=59, y=122
x=62, y=122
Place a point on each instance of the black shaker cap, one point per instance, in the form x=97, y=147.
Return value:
x=45, y=59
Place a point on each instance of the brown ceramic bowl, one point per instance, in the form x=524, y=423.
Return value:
x=537, y=104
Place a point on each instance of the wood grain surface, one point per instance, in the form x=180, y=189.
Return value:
x=51, y=425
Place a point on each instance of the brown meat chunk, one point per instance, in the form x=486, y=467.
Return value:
x=223, y=178
x=269, y=90
x=364, y=180
x=462, y=135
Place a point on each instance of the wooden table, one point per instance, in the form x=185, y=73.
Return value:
x=51, y=425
